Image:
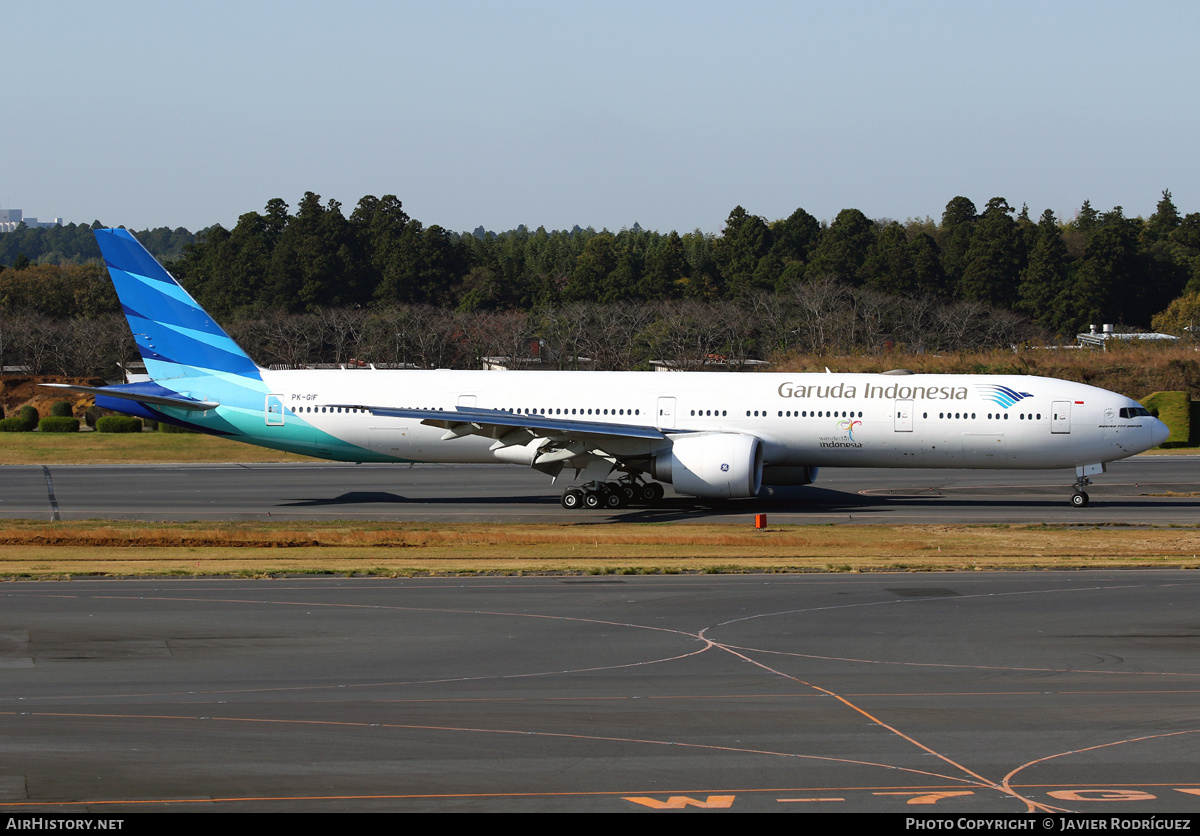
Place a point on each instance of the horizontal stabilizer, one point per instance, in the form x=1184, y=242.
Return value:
x=140, y=392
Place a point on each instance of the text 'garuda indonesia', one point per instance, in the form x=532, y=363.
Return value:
x=896, y=391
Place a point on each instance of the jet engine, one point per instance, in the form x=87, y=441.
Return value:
x=717, y=465
x=789, y=475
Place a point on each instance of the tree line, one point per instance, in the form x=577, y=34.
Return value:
x=1096, y=267
x=974, y=279
x=75, y=244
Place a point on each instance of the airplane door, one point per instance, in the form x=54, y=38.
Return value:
x=273, y=410
x=666, y=414
x=1060, y=417
x=904, y=416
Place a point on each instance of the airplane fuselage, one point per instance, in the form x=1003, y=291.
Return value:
x=828, y=420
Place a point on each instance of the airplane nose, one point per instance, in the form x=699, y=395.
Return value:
x=1159, y=431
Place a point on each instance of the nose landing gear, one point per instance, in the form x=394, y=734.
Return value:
x=1080, y=498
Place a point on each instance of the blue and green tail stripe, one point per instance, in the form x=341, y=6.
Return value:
x=174, y=335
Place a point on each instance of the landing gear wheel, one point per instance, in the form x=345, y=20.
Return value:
x=572, y=498
x=614, y=499
x=591, y=500
x=652, y=493
x=1079, y=499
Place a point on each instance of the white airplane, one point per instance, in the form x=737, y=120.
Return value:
x=708, y=435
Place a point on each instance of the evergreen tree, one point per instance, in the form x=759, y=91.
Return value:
x=958, y=226
x=889, y=268
x=1185, y=247
x=1044, y=290
x=793, y=238
x=666, y=268
x=311, y=266
x=1163, y=222
x=737, y=253
x=589, y=279
x=843, y=248
x=992, y=262
x=1106, y=287
x=925, y=257
x=703, y=278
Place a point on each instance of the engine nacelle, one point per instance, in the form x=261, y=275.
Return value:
x=717, y=465
x=789, y=475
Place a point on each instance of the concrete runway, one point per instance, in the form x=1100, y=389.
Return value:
x=1133, y=491
x=947, y=693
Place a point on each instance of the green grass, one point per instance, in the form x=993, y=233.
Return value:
x=1175, y=410
x=132, y=448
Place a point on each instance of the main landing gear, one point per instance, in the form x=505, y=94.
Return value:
x=612, y=495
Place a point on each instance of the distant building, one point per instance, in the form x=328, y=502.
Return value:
x=10, y=219
x=712, y=363
x=1107, y=334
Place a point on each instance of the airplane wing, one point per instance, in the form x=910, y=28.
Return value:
x=591, y=446
x=497, y=423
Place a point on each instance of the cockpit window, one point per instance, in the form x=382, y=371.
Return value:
x=1134, y=412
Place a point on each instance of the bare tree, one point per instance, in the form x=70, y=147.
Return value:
x=821, y=314
x=31, y=340
x=291, y=340
x=342, y=332
x=687, y=336
x=94, y=346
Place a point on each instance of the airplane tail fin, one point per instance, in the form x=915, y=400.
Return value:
x=174, y=335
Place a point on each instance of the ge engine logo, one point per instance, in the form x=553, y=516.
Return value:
x=724, y=468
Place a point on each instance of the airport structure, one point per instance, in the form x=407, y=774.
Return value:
x=1108, y=334
x=10, y=219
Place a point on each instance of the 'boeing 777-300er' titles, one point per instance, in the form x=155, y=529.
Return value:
x=620, y=434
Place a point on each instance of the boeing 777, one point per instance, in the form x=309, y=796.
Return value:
x=621, y=434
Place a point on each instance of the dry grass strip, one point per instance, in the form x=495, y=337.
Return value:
x=40, y=549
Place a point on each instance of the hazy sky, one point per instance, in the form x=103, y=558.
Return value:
x=599, y=113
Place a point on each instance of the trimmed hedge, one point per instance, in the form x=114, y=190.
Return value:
x=118, y=424
x=15, y=425
x=1175, y=410
x=171, y=428
x=58, y=424
x=29, y=414
x=61, y=409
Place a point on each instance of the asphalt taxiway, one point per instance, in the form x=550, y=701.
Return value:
x=946, y=693
x=1156, y=490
